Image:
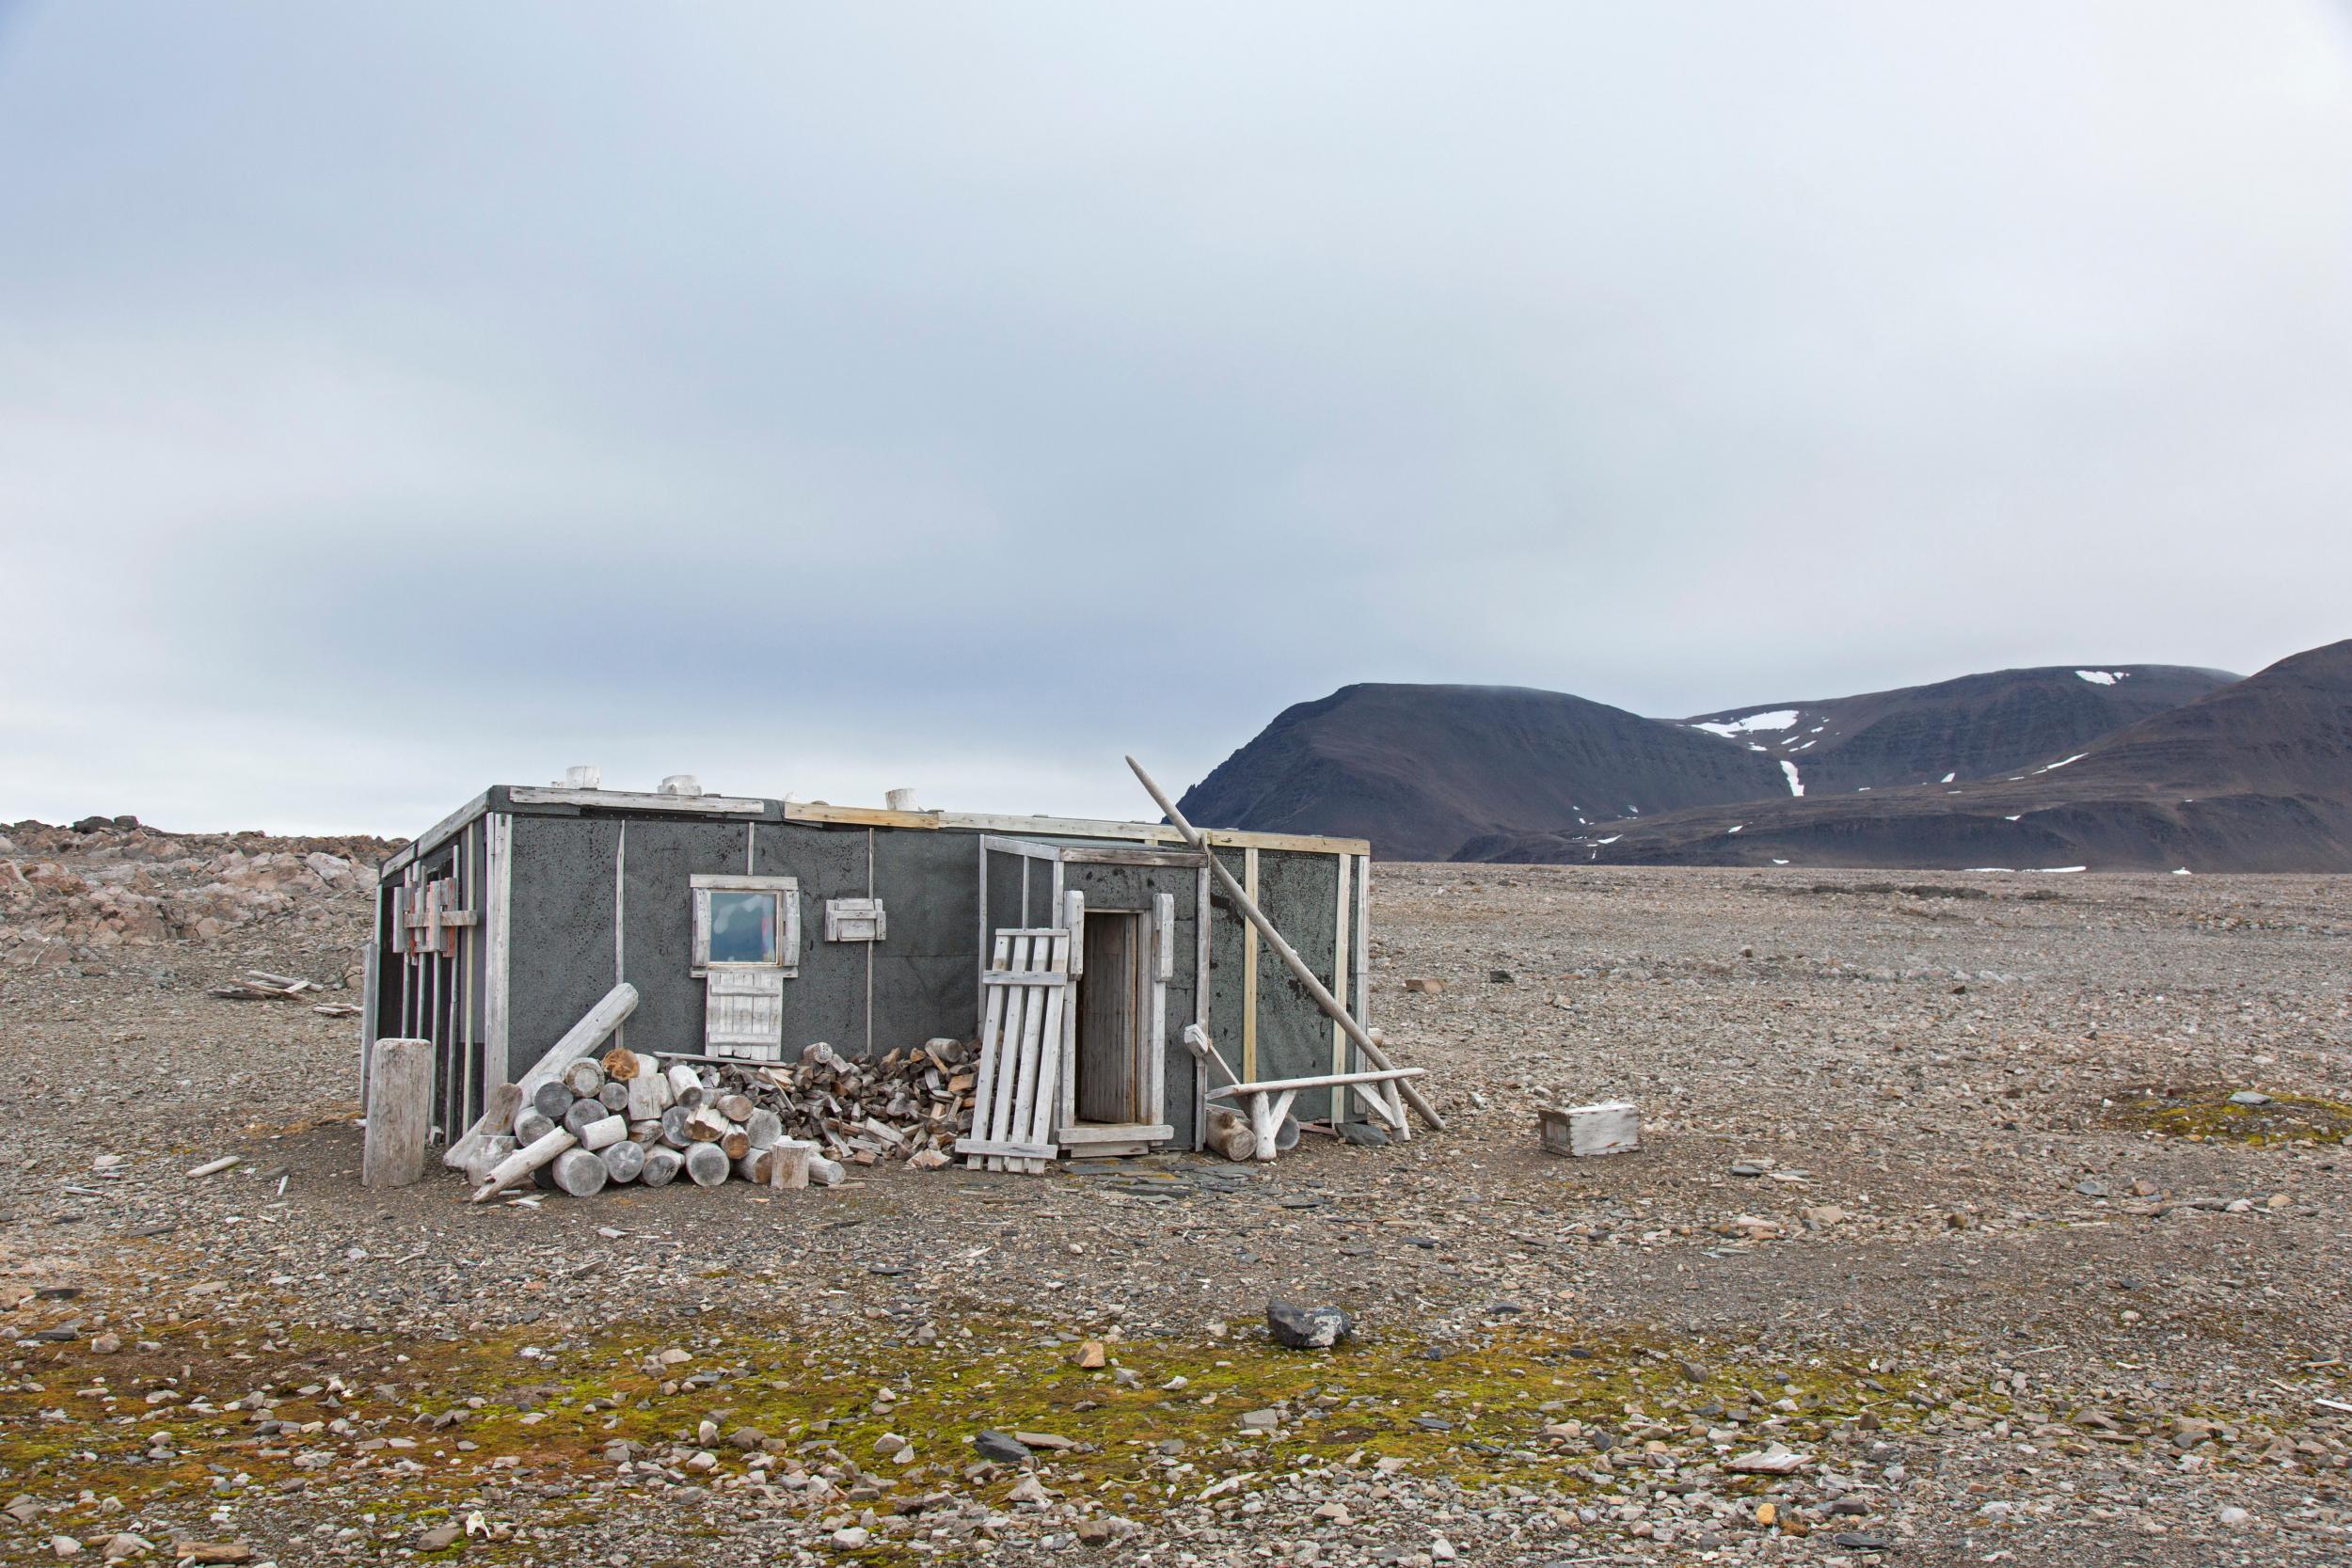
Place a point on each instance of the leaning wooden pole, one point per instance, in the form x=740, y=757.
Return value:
x=1289, y=955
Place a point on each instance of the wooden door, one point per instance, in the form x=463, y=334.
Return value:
x=1110, y=1014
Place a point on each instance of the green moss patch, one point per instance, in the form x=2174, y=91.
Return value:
x=2208, y=1111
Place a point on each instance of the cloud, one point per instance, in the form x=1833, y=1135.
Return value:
x=959, y=398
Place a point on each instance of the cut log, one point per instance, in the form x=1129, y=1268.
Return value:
x=734, y=1141
x=400, y=1112
x=825, y=1173
x=497, y=1119
x=765, y=1128
x=685, y=1088
x=529, y=1126
x=662, y=1167
x=522, y=1163
x=1231, y=1136
x=705, y=1165
x=791, y=1159
x=584, y=1038
x=624, y=1162
x=614, y=1096
x=551, y=1100
x=583, y=1115
x=645, y=1131
x=675, y=1129
x=580, y=1172
x=622, y=1064
x=649, y=1095
x=486, y=1157
x=584, y=1078
x=705, y=1125
x=734, y=1107
x=603, y=1134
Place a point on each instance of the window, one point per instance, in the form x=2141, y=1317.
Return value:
x=747, y=923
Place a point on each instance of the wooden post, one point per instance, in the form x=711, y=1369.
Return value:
x=505, y=1101
x=1289, y=955
x=400, y=1106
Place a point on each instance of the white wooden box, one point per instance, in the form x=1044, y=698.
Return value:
x=1612, y=1127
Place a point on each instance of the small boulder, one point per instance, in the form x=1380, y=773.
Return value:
x=1000, y=1447
x=1307, y=1327
x=440, y=1537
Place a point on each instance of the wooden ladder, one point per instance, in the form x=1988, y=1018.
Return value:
x=1028, y=984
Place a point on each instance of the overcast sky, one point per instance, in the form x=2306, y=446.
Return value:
x=820, y=398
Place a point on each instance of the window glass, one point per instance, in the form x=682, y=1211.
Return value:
x=744, y=928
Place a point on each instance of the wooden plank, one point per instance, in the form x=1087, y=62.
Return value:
x=1320, y=1081
x=1020, y=978
x=1019, y=847
x=1147, y=832
x=1150, y=859
x=630, y=800
x=1032, y=1023
x=434, y=837
x=1250, y=969
x=584, y=1038
x=1339, y=955
x=1042, y=1099
x=1005, y=1148
x=1116, y=1132
x=497, y=905
x=859, y=817
x=992, y=1034
x=1017, y=998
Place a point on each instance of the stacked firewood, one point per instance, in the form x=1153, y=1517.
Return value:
x=633, y=1117
x=910, y=1105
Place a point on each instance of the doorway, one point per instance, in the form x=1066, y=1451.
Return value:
x=1109, y=1062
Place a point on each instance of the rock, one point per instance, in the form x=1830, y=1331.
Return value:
x=1001, y=1447
x=2091, y=1186
x=851, y=1536
x=1423, y=985
x=889, y=1443
x=2234, y=1517
x=440, y=1536
x=1499, y=977
x=123, y=1547
x=1261, y=1420
x=92, y=825
x=2249, y=1097
x=1307, y=1327
x=1771, y=1460
x=1094, y=1531
x=1821, y=1216
x=1751, y=1167
x=1364, y=1134
x=1442, y=1550
x=63, y=1546
x=1028, y=1489
x=106, y=1344
x=747, y=1440
x=1091, y=1356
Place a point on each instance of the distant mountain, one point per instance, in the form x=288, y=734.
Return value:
x=1968, y=728
x=2255, y=776
x=1423, y=772
x=1421, y=769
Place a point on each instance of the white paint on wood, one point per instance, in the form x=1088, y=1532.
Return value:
x=522, y=1163
x=1610, y=1126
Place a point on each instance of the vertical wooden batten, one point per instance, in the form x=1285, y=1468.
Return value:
x=498, y=902
x=1250, y=969
x=1339, y=955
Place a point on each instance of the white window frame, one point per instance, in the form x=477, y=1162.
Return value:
x=789, y=930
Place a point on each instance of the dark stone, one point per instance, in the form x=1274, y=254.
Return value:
x=95, y=825
x=1498, y=976
x=127, y=822
x=1000, y=1447
x=1307, y=1327
x=1861, y=1540
x=1363, y=1132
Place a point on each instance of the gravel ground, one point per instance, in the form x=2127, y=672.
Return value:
x=1944, y=1246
